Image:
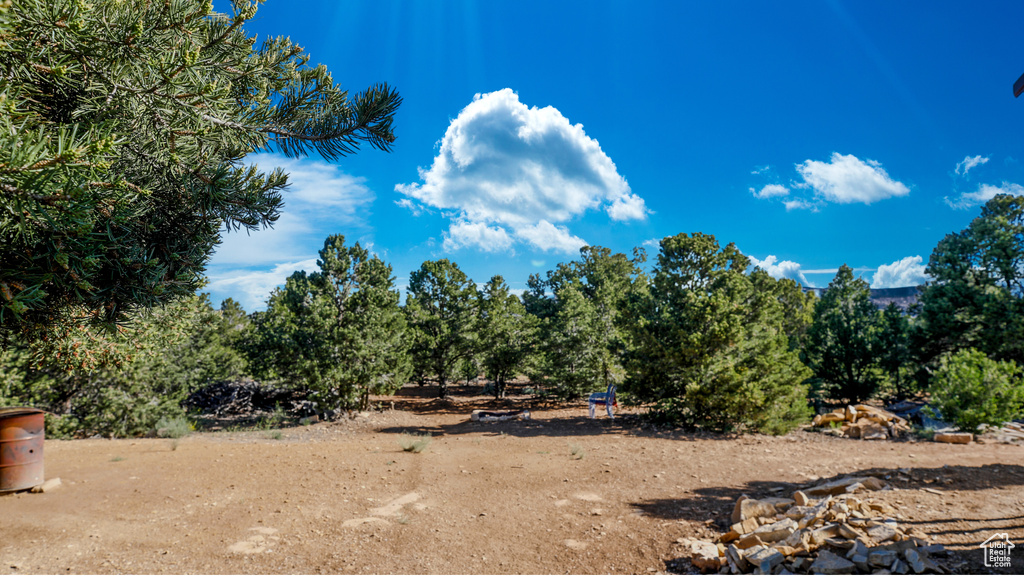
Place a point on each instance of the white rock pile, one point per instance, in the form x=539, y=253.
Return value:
x=830, y=528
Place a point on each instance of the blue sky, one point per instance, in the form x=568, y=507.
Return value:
x=811, y=134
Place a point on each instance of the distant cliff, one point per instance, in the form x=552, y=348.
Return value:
x=881, y=297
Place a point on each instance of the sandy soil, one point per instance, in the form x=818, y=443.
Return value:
x=557, y=494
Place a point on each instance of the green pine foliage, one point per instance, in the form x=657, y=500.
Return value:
x=507, y=334
x=584, y=323
x=842, y=347
x=712, y=343
x=977, y=297
x=442, y=310
x=123, y=136
x=158, y=365
x=894, y=352
x=969, y=389
x=337, y=334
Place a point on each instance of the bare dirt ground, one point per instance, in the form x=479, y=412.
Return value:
x=557, y=494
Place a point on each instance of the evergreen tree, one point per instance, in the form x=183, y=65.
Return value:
x=507, y=334
x=894, y=353
x=585, y=320
x=122, y=142
x=442, y=309
x=841, y=342
x=338, y=333
x=711, y=342
x=976, y=299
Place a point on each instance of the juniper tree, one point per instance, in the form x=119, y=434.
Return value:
x=442, y=309
x=123, y=136
x=842, y=345
x=977, y=297
x=712, y=348
x=583, y=329
x=507, y=334
x=338, y=332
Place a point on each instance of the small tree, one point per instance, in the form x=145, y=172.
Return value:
x=970, y=389
x=339, y=332
x=507, y=334
x=584, y=323
x=711, y=344
x=442, y=309
x=841, y=347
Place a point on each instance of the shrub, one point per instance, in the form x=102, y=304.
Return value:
x=970, y=389
x=174, y=427
x=414, y=443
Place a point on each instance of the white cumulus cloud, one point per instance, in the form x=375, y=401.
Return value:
x=962, y=168
x=780, y=269
x=320, y=198
x=906, y=272
x=487, y=238
x=522, y=169
x=256, y=285
x=846, y=179
x=984, y=193
x=770, y=191
x=546, y=236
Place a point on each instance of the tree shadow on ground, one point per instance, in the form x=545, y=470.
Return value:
x=550, y=417
x=716, y=503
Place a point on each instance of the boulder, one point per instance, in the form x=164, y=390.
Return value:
x=704, y=555
x=750, y=508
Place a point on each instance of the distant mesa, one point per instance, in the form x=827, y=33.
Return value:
x=904, y=297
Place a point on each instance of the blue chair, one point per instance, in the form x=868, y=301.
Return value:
x=606, y=399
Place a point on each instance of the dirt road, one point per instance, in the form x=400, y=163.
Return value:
x=557, y=494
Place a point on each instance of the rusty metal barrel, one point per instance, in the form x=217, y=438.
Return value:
x=21, y=448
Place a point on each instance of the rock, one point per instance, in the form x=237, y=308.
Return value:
x=748, y=541
x=801, y=499
x=734, y=557
x=859, y=549
x=729, y=536
x=704, y=555
x=861, y=562
x=765, y=559
x=934, y=550
x=873, y=431
x=872, y=483
x=826, y=419
x=798, y=512
x=953, y=437
x=847, y=531
x=818, y=537
x=781, y=504
x=882, y=533
x=829, y=563
x=749, y=508
x=914, y=561
x=48, y=486
x=776, y=531
x=881, y=558
x=851, y=414
x=899, y=567
x=800, y=564
x=832, y=488
x=745, y=527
